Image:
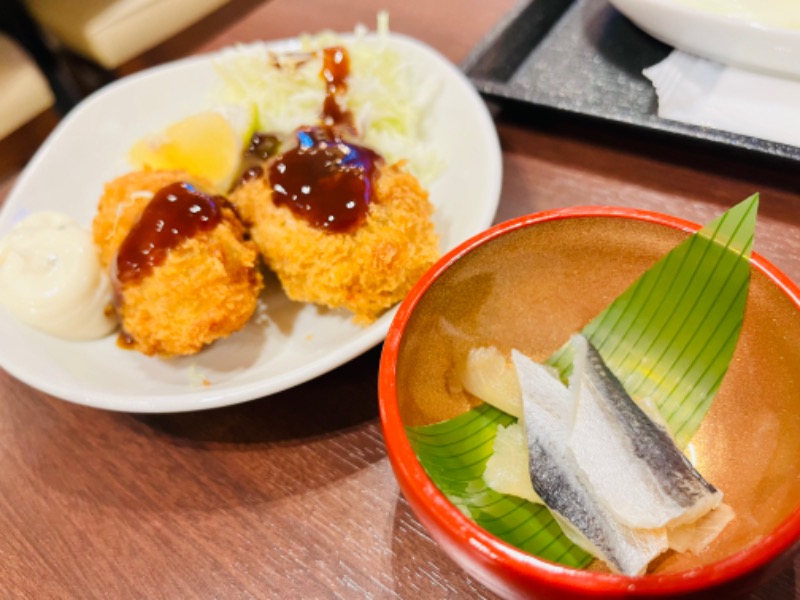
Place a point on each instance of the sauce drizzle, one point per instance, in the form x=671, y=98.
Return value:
x=325, y=179
x=335, y=70
x=263, y=146
x=177, y=212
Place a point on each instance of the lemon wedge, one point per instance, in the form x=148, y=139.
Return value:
x=208, y=145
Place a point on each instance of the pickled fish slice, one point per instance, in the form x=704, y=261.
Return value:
x=695, y=537
x=632, y=464
x=548, y=414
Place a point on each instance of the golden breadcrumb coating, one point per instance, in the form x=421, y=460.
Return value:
x=366, y=271
x=122, y=203
x=206, y=288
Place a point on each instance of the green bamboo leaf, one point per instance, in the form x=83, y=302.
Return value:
x=527, y=526
x=669, y=337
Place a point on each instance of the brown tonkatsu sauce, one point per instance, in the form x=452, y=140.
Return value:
x=335, y=69
x=177, y=212
x=325, y=180
x=248, y=174
x=263, y=146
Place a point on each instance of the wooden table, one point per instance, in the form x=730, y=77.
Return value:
x=292, y=496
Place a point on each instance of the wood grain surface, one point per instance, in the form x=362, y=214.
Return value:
x=292, y=496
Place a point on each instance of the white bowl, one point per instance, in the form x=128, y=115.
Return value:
x=745, y=35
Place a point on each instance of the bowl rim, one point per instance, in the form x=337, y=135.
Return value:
x=706, y=16
x=751, y=43
x=426, y=498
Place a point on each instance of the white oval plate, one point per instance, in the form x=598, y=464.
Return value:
x=289, y=343
x=747, y=42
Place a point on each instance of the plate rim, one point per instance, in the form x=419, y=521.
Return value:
x=371, y=336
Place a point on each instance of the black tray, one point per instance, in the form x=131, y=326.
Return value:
x=584, y=57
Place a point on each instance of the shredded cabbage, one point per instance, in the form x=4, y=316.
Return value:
x=389, y=101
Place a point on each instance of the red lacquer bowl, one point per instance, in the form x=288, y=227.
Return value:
x=530, y=283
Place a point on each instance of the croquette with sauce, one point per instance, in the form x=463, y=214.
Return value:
x=365, y=271
x=188, y=290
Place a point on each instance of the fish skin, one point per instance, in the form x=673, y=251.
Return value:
x=669, y=476
x=548, y=409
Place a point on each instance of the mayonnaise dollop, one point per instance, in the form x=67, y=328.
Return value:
x=51, y=278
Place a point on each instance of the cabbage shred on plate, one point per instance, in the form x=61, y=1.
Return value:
x=389, y=101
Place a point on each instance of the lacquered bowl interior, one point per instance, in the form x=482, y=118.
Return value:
x=535, y=285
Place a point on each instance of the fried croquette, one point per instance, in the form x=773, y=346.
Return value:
x=122, y=203
x=205, y=288
x=367, y=270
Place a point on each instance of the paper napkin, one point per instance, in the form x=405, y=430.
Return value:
x=702, y=92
